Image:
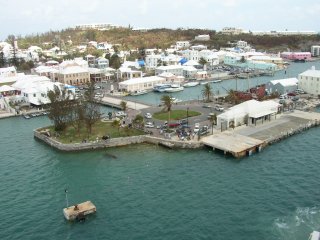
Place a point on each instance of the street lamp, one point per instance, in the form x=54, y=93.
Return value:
x=188, y=116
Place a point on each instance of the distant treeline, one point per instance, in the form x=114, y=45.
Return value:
x=164, y=38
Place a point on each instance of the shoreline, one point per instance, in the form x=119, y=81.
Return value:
x=178, y=144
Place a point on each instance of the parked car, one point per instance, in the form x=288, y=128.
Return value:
x=196, y=128
x=98, y=95
x=283, y=96
x=299, y=91
x=148, y=115
x=121, y=114
x=149, y=125
x=173, y=125
x=219, y=108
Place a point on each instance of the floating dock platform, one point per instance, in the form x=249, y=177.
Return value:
x=79, y=211
x=235, y=144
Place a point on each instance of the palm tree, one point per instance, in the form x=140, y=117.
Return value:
x=116, y=124
x=138, y=121
x=207, y=92
x=123, y=105
x=167, y=101
x=213, y=120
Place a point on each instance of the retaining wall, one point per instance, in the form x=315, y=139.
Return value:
x=115, y=142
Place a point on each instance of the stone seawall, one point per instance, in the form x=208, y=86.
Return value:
x=299, y=129
x=115, y=142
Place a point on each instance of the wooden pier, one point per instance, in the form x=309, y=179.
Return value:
x=235, y=144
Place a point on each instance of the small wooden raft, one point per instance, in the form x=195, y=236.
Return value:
x=79, y=211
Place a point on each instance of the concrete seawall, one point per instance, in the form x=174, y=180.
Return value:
x=115, y=142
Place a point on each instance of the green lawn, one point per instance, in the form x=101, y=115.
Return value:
x=100, y=129
x=175, y=114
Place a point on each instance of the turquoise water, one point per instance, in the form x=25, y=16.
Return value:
x=194, y=93
x=149, y=192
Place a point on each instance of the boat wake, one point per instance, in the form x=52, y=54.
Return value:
x=299, y=225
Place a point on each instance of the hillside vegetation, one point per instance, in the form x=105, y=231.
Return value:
x=163, y=38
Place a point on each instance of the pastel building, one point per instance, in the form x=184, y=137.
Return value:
x=315, y=51
x=137, y=84
x=296, y=56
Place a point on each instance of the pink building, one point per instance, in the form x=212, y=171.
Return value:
x=296, y=56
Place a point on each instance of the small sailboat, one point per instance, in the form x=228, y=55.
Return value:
x=138, y=92
x=174, y=88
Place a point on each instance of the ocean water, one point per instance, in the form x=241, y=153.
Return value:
x=150, y=192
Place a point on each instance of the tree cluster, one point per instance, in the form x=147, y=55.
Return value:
x=66, y=111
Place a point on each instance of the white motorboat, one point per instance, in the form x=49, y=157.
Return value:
x=161, y=87
x=138, y=92
x=191, y=84
x=174, y=88
x=204, y=83
x=216, y=81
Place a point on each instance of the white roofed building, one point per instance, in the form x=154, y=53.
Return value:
x=282, y=86
x=309, y=81
x=137, y=84
x=251, y=112
x=174, y=69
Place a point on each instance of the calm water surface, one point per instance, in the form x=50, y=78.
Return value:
x=149, y=192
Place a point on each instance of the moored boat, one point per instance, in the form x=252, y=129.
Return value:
x=191, y=84
x=216, y=81
x=174, y=88
x=203, y=83
x=161, y=87
x=138, y=92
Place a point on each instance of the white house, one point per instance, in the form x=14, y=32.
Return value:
x=232, y=31
x=34, y=89
x=8, y=72
x=205, y=37
x=152, y=61
x=309, y=81
x=250, y=112
x=174, y=69
x=315, y=51
x=136, y=84
x=182, y=44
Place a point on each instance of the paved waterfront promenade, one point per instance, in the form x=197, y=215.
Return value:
x=115, y=102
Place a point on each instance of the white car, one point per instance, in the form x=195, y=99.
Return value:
x=149, y=125
x=219, y=108
x=98, y=95
x=196, y=128
x=121, y=114
x=148, y=115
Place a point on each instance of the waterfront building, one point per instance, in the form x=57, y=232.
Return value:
x=174, y=69
x=171, y=78
x=138, y=84
x=282, y=86
x=195, y=55
x=315, y=51
x=296, y=56
x=33, y=89
x=309, y=81
x=205, y=37
x=251, y=112
x=189, y=72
